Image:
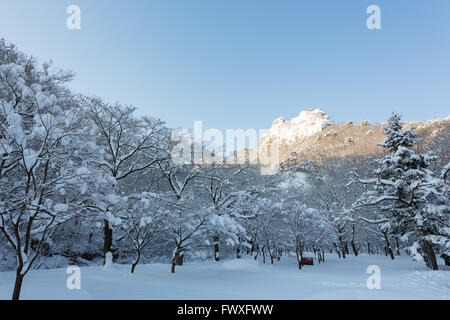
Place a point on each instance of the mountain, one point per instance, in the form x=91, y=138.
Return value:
x=312, y=135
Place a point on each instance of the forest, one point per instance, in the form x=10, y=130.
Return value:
x=84, y=181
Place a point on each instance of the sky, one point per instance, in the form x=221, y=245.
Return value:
x=243, y=63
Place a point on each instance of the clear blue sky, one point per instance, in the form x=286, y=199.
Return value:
x=243, y=63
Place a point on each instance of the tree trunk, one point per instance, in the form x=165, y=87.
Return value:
x=388, y=246
x=343, y=250
x=431, y=256
x=337, y=249
x=264, y=255
x=397, y=247
x=352, y=242
x=17, y=286
x=177, y=259
x=107, y=246
x=133, y=266
x=446, y=259
x=270, y=254
x=216, y=248
x=172, y=269
x=299, y=258
x=355, y=251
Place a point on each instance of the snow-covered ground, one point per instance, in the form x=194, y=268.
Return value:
x=242, y=279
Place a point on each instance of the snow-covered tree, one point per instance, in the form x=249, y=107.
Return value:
x=416, y=197
x=131, y=145
x=186, y=216
x=141, y=222
x=46, y=156
x=327, y=193
x=224, y=187
x=306, y=226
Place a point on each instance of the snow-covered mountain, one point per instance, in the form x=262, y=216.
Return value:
x=312, y=135
x=304, y=125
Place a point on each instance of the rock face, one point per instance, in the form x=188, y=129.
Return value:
x=306, y=124
x=313, y=136
x=284, y=134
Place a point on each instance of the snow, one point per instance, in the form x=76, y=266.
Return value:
x=296, y=180
x=304, y=125
x=108, y=262
x=103, y=161
x=61, y=207
x=242, y=279
x=285, y=132
x=145, y=221
x=29, y=157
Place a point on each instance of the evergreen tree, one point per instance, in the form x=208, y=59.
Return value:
x=415, y=196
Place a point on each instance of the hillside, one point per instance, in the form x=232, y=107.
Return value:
x=313, y=136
